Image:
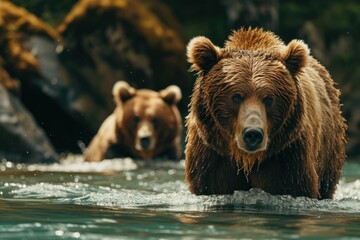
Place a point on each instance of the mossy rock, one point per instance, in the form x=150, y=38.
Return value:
x=22, y=140
x=107, y=41
x=16, y=25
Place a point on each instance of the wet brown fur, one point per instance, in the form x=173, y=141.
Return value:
x=304, y=128
x=118, y=135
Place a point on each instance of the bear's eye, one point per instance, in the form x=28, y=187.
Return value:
x=136, y=120
x=268, y=101
x=155, y=122
x=237, y=98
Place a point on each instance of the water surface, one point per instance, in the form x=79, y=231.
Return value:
x=127, y=199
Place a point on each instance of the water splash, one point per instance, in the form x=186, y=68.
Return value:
x=255, y=200
x=182, y=200
x=75, y=163
x=47, y=190
x=348, y=190
x=160, y=185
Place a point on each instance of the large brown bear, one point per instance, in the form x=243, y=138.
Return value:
x=262, y=115
x=145, y=124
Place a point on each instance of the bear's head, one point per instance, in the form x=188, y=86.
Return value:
x=146, y=121
x=246, y=100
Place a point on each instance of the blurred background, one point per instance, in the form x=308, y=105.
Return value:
x=60, y=59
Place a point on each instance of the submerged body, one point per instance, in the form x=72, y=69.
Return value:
x=262, y=115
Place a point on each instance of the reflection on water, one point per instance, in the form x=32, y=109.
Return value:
x=122, y=198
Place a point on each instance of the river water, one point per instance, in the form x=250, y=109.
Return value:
x=127, y=199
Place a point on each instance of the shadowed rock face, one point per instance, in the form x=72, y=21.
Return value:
x=52, y=101
x=29, y=69
x=21, y=139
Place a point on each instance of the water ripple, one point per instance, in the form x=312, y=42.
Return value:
x=159, y=186
x=255, y=199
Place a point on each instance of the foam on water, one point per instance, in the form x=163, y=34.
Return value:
x=255, y=199
x=75, y=163
x=172, y=194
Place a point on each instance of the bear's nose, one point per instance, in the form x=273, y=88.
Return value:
x=253, y=137
x=145, y=142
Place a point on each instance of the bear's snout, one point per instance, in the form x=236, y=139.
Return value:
x=253, y=138
x=251, y=135
x=145, y=142
x=144, y=138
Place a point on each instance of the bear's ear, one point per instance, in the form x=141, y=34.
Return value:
x=296, y=56
x=202, y=54
x=171, y=95
x=122, y=92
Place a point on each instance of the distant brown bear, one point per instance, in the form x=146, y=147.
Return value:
x=262, y=115
x=145, y=124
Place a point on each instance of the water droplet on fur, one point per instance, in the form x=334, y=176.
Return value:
x=238, y=168
x=247, y=176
